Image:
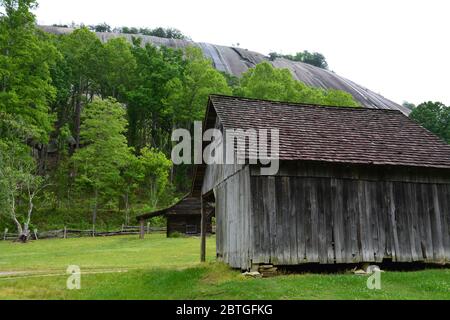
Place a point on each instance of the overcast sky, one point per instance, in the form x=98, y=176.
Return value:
x=399, y=48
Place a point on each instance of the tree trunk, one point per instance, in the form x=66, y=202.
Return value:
x=20, y=230
x=26, y=226
x=24, y=236
x=94, y=212
x=77, y=121
x=127, y=209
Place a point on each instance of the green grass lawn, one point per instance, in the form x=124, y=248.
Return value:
x=160, y=268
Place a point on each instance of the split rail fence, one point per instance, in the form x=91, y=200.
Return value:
x=73, y=233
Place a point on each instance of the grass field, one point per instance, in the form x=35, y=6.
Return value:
x=160, y=268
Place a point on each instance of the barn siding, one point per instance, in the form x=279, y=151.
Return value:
x=217, y=173
x=329, y=220
x=308, y=214
x=233, y=219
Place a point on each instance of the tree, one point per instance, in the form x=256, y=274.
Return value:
x=434, y=116
x=119, y=69
x=18, y=180
x=133, y=175
x=187, y=98
x=83, y=54
x=128, y=30
x=169, y=33
x=105, y=151
x=26, y=92
x=25, y=59
x=103, y=27
x=315, y=59
x=189, y=94
x=156, y=173
x=266, y=82
x=149, y=124
x=332, y=97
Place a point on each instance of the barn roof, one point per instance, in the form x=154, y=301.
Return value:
x=186, y=206
x=337, y=134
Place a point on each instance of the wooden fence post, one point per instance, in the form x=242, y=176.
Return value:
x=65, y=232
x=203, y=232
x=36, y=234
x=93, y=230
x=123, y=227
x=148, y=227
x=4, y=235
x=141, y=229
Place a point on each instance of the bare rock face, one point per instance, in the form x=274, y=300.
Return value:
x=237, y=60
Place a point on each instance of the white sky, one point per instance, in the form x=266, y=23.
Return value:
x=399, y=48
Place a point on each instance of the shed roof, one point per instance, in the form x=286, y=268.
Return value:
x=186, y=206
x=336, y=134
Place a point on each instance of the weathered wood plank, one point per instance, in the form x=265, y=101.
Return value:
x=438, y=242
x=270, y=210
x=416, y=249
x=327, y=211
x=393, y=221
x=314, y=213
x=338, y=220
x=363, y=232
x=322, y=223
x=444, y=197
x=379, y=211
x=299, y=198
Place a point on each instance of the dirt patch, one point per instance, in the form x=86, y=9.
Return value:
x=12, y=273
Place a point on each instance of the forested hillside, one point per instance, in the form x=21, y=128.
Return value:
x=85, y=125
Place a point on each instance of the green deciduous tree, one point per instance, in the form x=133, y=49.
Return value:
x=25, y=59
x=188, y=94
x=104, y=153
x=149, y=122
x=83, y=56
x=133, y=174
x=434, y=116
x=169, y=33
x=119, y=69
x=156, y=168
x=18, y=181
x=332, y=97
x=266, y=82
x=315, y=59
x=102, y=27
x=26, y=92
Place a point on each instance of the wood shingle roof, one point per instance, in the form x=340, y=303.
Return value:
x=337, y=134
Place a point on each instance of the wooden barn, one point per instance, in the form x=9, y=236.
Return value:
x=184, y=217
x=354, y=185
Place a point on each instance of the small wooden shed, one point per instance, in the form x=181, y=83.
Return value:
x=184, y=217
x=354, y=185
